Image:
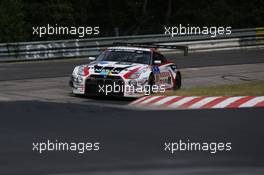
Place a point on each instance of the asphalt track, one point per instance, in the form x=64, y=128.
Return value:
x=36, y=106
x=132, y=142
x=60, y=68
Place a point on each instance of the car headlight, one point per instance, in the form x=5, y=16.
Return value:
x=83, y=71
x=133, y=82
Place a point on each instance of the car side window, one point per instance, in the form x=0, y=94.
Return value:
x=157, y=56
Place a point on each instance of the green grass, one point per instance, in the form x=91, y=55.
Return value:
x=253, y=88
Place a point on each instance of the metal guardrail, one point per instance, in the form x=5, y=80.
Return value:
x=90, y=47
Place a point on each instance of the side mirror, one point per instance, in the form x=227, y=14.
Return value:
x=157, y=61
x=91, y=58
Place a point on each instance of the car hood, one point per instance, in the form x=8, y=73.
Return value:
x=113, y=67
x=114, y=64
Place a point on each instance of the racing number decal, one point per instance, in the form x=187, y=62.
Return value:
x=156, y=72
x=155, y=69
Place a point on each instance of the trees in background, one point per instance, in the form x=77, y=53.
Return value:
x=12, y=21
x=131, y=17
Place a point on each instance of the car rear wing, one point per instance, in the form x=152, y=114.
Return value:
x=155, y=46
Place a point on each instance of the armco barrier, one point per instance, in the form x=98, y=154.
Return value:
x=91, y=47
x=198, y=102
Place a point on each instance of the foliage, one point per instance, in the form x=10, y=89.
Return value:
x=132, y=17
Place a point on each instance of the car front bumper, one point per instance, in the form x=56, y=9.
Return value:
x=98, y=85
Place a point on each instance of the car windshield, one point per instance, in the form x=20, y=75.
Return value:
x=131, y=56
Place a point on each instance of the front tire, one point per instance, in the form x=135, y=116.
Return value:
x=178, y=82
x=151, y=82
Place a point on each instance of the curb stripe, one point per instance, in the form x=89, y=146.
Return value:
x=155, y=100
x=181, y=102
x=203, y=102
x=165, y=100
x=199, y=102
x=193, y=101
x=172, y=101
x=226, y=102
x=139, y=100
x=261, y=104
x=252, y=102
x=149, y=100
x=240, y=102
x=214, y=102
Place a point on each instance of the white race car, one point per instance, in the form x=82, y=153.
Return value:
x=126, y=71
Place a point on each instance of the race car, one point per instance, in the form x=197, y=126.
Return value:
x=129, y=70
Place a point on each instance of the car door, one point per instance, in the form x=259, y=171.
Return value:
x=161, y=70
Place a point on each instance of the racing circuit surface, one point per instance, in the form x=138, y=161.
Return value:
x=36, y=105
x=48, y=80
x=131, y=141
x=59, y=68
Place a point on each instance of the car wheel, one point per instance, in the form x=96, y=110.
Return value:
x=151, y=82
x=178, y=83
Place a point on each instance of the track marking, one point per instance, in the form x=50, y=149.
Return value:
x=199, y=102
x=155, y=100
x=181, y=102
x=226, y=102
x=149, y=99
x=252, y=102
x=139, y=100
x=203, y=102
x=164, y=101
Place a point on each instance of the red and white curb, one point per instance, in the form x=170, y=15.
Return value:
x=198, y=102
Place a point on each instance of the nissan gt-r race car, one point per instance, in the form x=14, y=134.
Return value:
x=126, y=71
